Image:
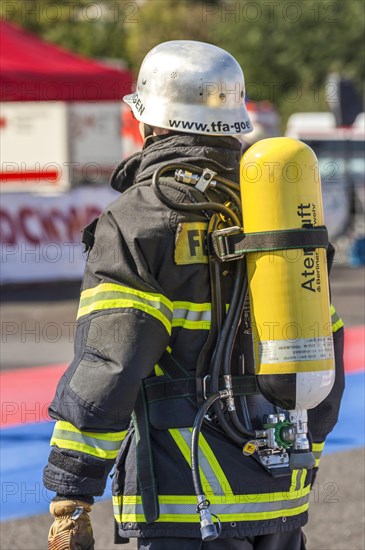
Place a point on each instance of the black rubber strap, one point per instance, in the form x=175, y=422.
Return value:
x=228, y=246
x=75, y=466
x=160, y=390
x=145, y=469
x=172, y=368
x=88, y=238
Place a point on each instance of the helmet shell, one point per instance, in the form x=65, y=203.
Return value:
x=192, y=87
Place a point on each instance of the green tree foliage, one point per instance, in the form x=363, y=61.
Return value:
x=93, y=29
x=286, y=48
x=163, y=20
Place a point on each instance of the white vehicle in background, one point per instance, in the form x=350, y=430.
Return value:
x=56, y=161
x=340, y=152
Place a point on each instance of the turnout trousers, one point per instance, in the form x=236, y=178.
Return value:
x=293, y=540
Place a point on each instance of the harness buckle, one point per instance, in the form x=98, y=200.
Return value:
x=222, y=248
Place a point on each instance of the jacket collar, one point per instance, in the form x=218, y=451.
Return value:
x=221, y=154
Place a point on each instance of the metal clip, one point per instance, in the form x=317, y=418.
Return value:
x=205, y=381
x=205, y=180
x=77, y=513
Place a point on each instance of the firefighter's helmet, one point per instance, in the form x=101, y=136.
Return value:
x=192, y=87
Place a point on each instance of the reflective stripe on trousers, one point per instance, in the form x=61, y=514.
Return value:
x=227, y=505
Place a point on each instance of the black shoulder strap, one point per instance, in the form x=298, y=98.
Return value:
x=88, y=238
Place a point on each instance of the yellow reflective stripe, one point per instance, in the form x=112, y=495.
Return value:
x=120, y=304
x=214, y=464
x=112, y=287
x=337, y=322
x=298, y=479
x=303, y=478
x=317, y=449
x=113, y=296
x=185, y=450
x=74, y=446
x=110, y=436
x=158, y=370
x=101, y=445
x=192, y=315
x=132, y=512
x=209, y=466
x=294, y=477
x=193, y=306
x=217, y=499
x=193, y=518
x=191, y=325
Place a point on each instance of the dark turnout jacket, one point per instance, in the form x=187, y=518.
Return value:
x=144, y=316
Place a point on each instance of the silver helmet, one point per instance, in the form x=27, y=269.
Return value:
x=191, y=87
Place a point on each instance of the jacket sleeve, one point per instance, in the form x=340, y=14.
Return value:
x=123, y=327
x=323, y=418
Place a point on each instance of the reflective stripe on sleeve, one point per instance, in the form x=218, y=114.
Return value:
x=317, y=450
x=114, y=296
x=101, y=445
x=337, y=322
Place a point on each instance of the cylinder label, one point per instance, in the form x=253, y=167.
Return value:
x=301, y=349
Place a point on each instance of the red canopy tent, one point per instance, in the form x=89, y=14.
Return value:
x=35, y=70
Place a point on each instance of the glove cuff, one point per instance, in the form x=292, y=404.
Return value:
x=65, y=508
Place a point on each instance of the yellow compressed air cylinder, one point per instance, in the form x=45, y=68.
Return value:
x=288, y=289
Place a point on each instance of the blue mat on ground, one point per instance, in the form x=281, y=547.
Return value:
x=24, y=451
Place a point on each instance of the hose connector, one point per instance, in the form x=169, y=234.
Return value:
x=301, y=456
x=228, y=385
x=208, y=528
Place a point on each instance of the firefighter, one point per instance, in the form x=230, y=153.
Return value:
x=149, y=318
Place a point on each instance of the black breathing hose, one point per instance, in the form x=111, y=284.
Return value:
x=227, y=361
x=198, y=206
x=223, y=330
x=203, y=409
x=217, y=314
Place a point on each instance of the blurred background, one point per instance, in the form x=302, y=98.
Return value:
x=65, y=66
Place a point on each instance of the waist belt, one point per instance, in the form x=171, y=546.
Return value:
x=160, y=388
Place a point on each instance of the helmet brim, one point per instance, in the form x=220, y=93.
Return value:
x=128, y=99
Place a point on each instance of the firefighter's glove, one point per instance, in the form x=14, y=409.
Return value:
x=71, y=529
